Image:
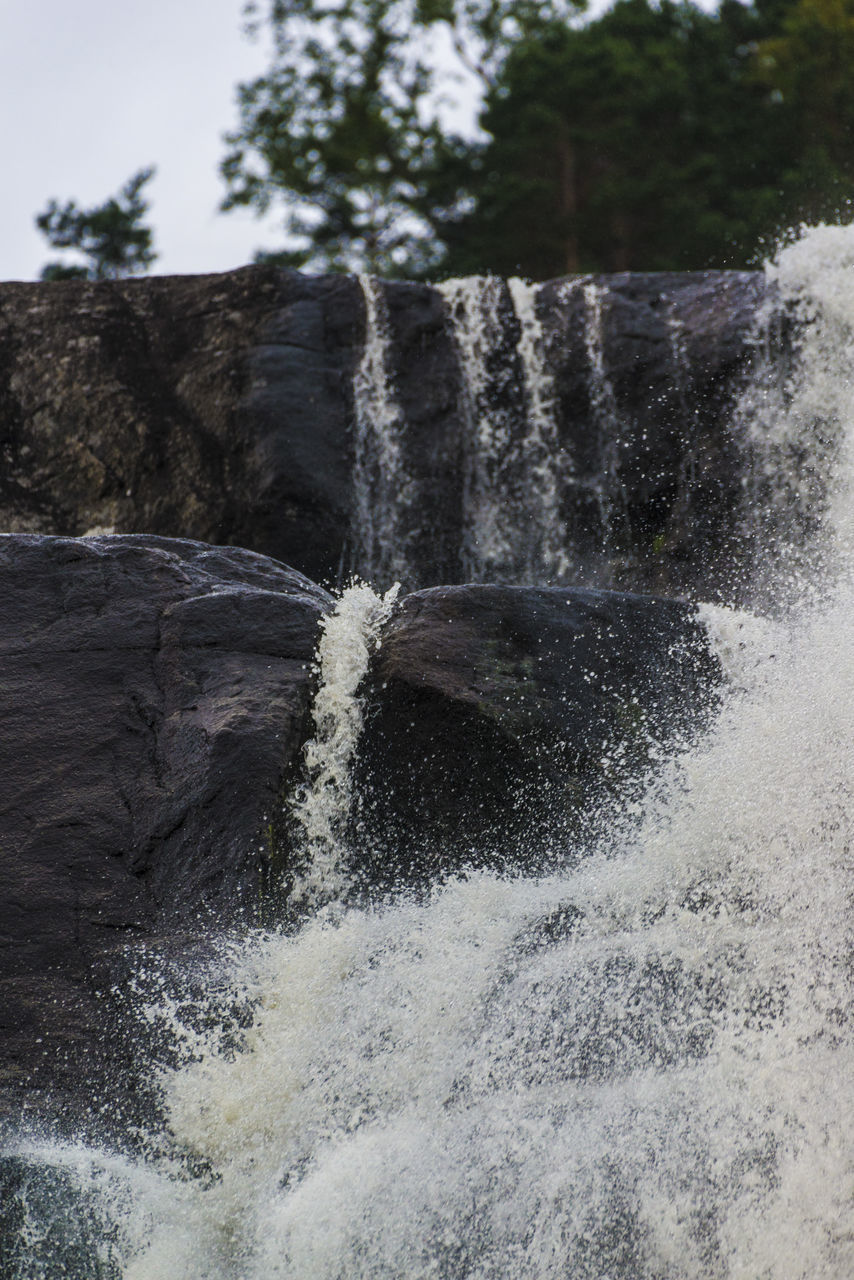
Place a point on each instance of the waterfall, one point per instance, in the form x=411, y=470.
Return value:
x=799, y=420
x=544, y=463
x=322, y=809
x=488, y=548
x=382, y=488
x=635, y=1066
x=606, y=417
x=515, y=467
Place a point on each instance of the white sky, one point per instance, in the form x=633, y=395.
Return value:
x=91, y=91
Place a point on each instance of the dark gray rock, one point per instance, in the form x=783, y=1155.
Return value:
x=506, y=721
x=153, y=698
x=208, y=407
x=221, y=408
x=658, y=455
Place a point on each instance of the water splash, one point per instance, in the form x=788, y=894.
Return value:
x=348, y=636
x=743, y=642
x=798, y=416
x=635, y=1070
x=383, y=490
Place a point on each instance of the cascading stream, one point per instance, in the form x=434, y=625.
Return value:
x=605, y=414
x=636, y=1069
x=488, y=548
x=322, y=808
x=799, y=422
x=382, y=487
x=545, y=465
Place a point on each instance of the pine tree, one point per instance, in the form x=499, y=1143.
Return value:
x=111, y=237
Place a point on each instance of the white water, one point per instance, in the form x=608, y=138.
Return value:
x=382, y=488
x=800, y=423
x=603, y=403
x=348, y=636
x=516, y=471
x=488, y=548
x=639, y=1070
x=544, y=464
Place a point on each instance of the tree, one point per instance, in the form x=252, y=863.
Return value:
x=344, y=130
x=658, y=136
x=639, y=141
x=111, y=236
x=807, y=67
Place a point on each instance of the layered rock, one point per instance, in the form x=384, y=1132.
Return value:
x=225, y=408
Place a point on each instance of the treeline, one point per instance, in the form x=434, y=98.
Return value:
x=655, y=137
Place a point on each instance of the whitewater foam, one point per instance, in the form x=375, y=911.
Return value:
x=322, y=807
x=634, y=1070
x=383, y=490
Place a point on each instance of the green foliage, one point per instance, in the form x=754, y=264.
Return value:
x=658, y=136
x=808, y=68
x=641, y=141
x=112, y=236
x=343, y=130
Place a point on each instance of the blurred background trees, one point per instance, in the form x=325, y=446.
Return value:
x=111, y=239
x=653, y=137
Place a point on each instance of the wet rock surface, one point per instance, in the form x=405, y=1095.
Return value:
x=505, y=719
x=222, y=408
x=153, y=697
x=206, y=407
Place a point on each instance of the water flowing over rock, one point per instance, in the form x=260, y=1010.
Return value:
x=569, y=995
x=577, y=431
x=502, y=718
x=157, y=694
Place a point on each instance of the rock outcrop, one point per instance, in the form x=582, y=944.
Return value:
x=153, y=695
x=506, y=722
x=223, y=408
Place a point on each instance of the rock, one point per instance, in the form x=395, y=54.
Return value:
x=505, y=721
x=208, y=407
x=153, y=697
x=657, y=449
x=222, y=408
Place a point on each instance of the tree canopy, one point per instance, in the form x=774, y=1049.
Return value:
x=643, y=140
x=656, y=136
x=344, y=131
x=111, y=238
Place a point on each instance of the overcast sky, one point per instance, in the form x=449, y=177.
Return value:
x=91, y=91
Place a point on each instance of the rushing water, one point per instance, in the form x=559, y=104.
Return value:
x=637, y=1069
x=382, y=488
x=323, y=805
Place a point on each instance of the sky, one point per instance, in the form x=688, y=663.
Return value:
x=91, y=91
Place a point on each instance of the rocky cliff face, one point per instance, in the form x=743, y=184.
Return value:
x=155, y=697
x=153, y=694
x=310, y=420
